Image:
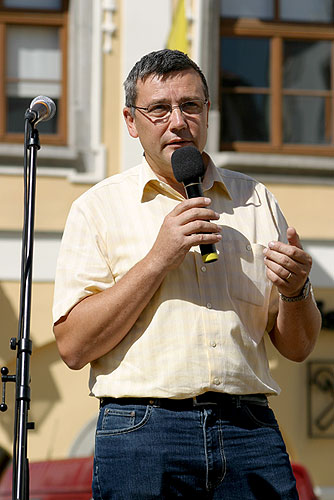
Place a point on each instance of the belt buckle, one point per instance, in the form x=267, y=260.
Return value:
x=203, y=403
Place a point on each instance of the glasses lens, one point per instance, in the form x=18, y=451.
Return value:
x=158, y=110
x=162, y=110
x=192, y=107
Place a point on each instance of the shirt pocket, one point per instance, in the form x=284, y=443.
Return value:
x=245, y=271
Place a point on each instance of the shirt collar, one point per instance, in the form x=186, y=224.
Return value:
x=150, y=185
x=214, y=177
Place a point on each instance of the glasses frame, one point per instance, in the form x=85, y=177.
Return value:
x=171, y=108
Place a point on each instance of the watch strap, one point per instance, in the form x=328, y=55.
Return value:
x=305, y=292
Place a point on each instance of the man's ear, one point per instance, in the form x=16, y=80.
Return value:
x=130, y=122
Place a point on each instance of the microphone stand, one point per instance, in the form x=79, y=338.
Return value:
x=23, y=344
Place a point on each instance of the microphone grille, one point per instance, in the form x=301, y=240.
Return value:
x=49, y=103
x=187, y=164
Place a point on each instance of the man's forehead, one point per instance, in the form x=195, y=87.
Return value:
x=156, y=81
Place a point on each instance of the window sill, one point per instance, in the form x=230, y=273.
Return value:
x=57, y=161
x=278, y=168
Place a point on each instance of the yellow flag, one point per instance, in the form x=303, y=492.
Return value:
x=178, y=36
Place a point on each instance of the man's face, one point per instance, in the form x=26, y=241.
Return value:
x=161, y=138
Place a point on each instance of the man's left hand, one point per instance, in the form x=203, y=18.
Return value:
x=288, y=265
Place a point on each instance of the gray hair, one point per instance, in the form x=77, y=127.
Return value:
x=161, y=62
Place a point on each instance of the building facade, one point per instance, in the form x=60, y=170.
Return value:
x=270, y=69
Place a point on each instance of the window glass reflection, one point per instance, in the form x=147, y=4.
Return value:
x=245, y=117
x=34, y=67
x=16, y=107
x=261, y=9
x=307, y=120
x=307, y=10
x=33, y=4
x=307, y=65
x=245, y=62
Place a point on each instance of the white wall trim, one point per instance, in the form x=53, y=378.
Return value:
x=322, y=253
x=154, y=18
x=278, y=168
x=46, y=249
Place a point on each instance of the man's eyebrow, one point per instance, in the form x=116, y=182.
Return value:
x=183, y=99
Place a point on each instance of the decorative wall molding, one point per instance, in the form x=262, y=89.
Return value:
x=321, y=398
x=108, y=26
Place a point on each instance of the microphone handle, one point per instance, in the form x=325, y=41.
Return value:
x=208, y=250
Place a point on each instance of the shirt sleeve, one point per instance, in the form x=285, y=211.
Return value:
x=281, y=226
x=278, y=217
x=82, y=264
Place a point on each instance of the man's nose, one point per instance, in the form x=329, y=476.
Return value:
x=177, y=119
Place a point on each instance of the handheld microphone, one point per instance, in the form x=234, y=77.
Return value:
x=41, y=108
x=188, y=168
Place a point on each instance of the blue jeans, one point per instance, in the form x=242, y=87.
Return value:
x=231, y=452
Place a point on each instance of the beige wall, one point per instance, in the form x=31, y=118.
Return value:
x=113, y=101
x=309, y=208
x=54, y=196
x=60, y=405
x=291, y=411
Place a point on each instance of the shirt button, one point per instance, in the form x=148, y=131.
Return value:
x=213, y=343
x=203, y=269
x=249, y=247
x=209, y=305
x=216, y=381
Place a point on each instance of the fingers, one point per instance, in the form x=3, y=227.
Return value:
x=189, y=224
x=195, y=217
x=293, y=237
x=288, y=265
x=200, y=202
x=199, y=220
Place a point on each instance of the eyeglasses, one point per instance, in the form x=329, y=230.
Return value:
x=164, y=110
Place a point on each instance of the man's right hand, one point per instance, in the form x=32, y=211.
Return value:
x=95, y=325
x=187, y=225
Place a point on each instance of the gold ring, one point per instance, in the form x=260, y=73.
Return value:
x=288, y=277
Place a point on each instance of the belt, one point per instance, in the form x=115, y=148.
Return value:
x=208, y=398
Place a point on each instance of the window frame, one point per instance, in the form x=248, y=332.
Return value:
x=32, y=18
x=64, y=7
x=277, y=32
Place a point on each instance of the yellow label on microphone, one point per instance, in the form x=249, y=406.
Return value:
x=210, y=257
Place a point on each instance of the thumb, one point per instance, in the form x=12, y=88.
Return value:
x=293, y=237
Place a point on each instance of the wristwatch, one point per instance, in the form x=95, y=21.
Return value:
x=305, y=292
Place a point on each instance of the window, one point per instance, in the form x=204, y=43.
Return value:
x=33, y=62
x=53, y=48
x=277, y=76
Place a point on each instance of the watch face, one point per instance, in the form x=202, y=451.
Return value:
x=306, y=289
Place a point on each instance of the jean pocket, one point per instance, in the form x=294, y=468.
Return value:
x=121, y=420
x=258, y=416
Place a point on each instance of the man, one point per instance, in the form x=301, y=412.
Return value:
x=176, y=347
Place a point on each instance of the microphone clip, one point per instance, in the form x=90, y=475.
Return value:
x=31, y=116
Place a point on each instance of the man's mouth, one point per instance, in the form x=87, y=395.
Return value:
x=179, y=143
